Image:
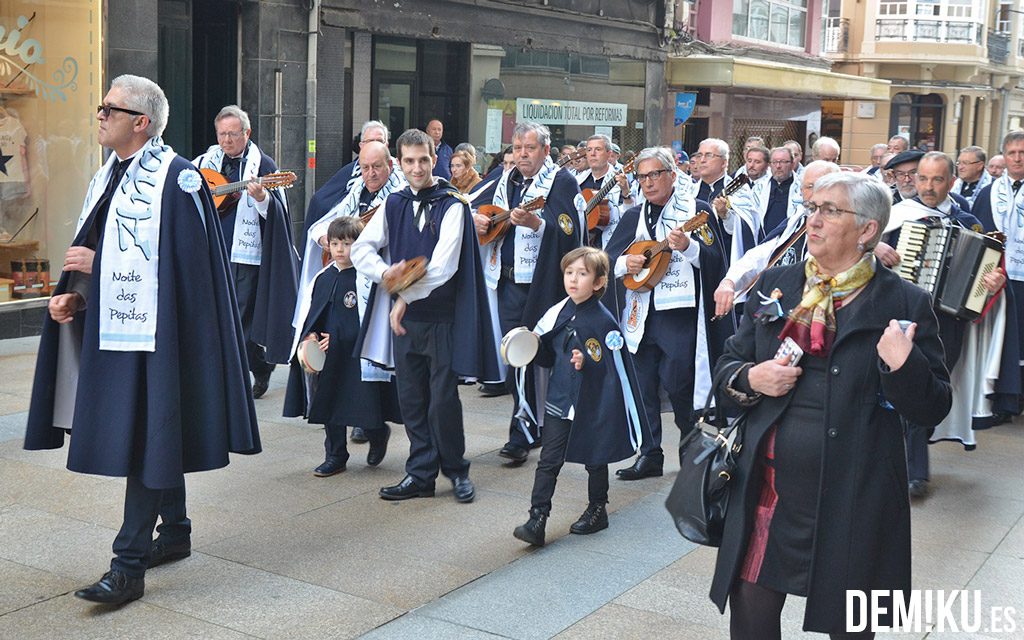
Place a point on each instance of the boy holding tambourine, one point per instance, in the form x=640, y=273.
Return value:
x=339, y=395
x=592, y=416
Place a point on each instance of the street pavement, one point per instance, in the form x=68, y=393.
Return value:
x=279, y=553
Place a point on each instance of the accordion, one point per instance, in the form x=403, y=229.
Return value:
x=949, y=263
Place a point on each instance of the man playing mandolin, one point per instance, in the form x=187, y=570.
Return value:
x=258, y=235
x=600, y=171
x=522, y=265
x=660, y=320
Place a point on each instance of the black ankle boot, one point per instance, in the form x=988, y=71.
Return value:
x=594, y=519
x=533, y=531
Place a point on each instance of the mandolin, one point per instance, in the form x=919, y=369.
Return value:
x=657, y=255
x=598, y=213
x=499, y=218
x=735, y=185
x=226, y=194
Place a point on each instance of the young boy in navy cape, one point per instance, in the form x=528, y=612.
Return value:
x=593, y=415
x=340, y=395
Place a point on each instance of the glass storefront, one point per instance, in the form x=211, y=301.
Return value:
x=50, y=84
x=575, y=95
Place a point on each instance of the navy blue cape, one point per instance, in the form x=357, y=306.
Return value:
x=179, y=409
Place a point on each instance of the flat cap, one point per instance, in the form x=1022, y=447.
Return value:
x=903, y=157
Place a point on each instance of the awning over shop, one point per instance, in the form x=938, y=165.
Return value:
x=750, y=74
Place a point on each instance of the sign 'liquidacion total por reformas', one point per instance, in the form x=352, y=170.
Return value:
x=568, y=112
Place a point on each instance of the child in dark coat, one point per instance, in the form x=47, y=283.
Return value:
x=337, y=396
x=592, y=414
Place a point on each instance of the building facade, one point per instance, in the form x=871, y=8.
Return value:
x=757, y=68
x=955, y=68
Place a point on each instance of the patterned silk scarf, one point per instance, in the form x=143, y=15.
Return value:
x=812, y=323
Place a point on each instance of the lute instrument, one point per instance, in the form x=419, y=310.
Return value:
x=226, y=194
x=407, y=272
x=500, y=219
x=657, y=256
x=735, y=185
x=598, y=212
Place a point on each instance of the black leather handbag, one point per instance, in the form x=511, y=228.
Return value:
x=707, y=457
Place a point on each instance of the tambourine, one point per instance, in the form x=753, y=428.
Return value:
x=519, y=347
x=311, y=356
x=411, y=271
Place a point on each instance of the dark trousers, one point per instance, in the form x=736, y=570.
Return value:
x=428, y=394
x=511, y=302
x=554, y=440
x=336, y=446
x=134, y=540
x=246, y=279
x=665, y=358
x=175, y=526
x=916, y=439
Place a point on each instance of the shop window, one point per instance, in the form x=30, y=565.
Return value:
x=49, y=87
x=778, y=21
x=575, y=95
x=919, y=119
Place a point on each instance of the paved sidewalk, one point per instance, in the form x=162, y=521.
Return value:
x=278, y=553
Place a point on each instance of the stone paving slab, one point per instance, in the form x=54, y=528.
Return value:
x=278, y=553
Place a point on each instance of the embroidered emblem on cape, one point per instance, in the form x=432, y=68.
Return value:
x=594, y=349
x=350, y=299
x=565, y=222
x=190, y=181
x=706, y=235
x=634, y=316
x=614, y=340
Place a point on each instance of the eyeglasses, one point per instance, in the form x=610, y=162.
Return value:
x=105, y=109
x=701, y=156
x=904, y=175
x=781, y=163
x=231, y=135
x=829, y=211
x=961, y=163
x=653, y=175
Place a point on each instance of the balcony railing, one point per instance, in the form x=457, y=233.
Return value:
x=998, y=47
x=915, y=30
x=837, y=35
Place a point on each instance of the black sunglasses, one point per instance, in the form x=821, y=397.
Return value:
x=105, y=109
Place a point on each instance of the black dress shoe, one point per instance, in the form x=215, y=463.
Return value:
x=377, y=450
x=594, y=519
x=162, y=553
x=646, y=466
x=492, y=389
x=331, y=466
x=358, y=435
x=532, y=531
x=260, y=385
x=406, y=489
x=515, y=453
x=464, y=490
x=113, y=588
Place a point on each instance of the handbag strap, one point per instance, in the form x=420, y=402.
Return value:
x=717, y=380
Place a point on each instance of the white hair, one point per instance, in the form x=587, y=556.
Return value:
x=374, y=124
x=824, y=141
x=523, y=128
x=663, y=155
x=234, y=111
x=604, y=140
x=144, y=95
x=871, y=199
x=721, y=145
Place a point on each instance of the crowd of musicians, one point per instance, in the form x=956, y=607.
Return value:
x=631, y=281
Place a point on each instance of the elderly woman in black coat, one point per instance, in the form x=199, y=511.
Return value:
x=819, y=502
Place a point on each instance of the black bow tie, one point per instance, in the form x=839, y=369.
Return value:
x=1016, y=185
x=229, y=164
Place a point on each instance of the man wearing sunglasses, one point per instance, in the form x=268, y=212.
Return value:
x=258, y=236
x=138, y=355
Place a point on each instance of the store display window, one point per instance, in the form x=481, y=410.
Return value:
x=50, y=84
